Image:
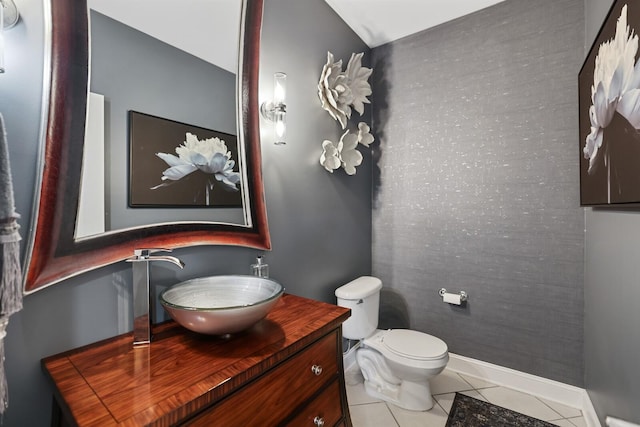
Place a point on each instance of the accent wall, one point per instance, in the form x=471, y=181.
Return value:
x=476, y=185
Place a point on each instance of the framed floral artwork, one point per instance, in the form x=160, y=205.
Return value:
x=173, y=164
x=609, y=112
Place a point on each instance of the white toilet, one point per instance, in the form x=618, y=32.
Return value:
x=397, y=363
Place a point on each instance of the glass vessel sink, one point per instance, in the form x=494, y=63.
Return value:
x=220, y=305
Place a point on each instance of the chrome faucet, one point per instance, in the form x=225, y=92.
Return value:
x=142, y=304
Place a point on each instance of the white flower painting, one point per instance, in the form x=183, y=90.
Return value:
x=209, y=156
x=616, y=85
x=174, y=164
x=612, y=120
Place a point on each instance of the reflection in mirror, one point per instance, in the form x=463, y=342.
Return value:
x=140, y=58
x=173, y=83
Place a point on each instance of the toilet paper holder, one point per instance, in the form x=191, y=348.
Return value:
x=463, y=294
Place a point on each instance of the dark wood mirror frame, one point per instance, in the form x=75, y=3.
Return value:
x=53, y=254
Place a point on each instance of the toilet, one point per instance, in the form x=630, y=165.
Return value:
x=397, y=363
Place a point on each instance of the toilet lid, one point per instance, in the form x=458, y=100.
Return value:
x=414, y=344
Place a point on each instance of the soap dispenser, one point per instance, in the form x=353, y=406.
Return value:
x=260, y=269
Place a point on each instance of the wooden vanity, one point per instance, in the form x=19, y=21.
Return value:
x=286, y=370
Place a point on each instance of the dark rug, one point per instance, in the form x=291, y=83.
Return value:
x=469, y=412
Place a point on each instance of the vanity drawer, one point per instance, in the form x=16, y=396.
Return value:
x=325, y=408
x=271, y=398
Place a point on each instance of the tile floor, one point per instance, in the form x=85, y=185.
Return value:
x=367, y=411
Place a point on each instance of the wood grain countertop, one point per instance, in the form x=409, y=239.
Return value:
x=111, y=383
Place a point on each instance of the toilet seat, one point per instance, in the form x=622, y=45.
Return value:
x=409, y=348
x=414, y=345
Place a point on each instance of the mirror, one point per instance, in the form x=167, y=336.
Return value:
x=56, y=250
x=140, y=57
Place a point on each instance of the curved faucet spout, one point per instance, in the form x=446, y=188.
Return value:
x=167, y=258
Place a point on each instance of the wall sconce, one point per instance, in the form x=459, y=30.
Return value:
x=276, y=110
x=8, y=18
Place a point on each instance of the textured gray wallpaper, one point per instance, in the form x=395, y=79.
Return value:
x=476, y=186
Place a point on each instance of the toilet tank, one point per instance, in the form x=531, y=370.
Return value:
x=362, y=296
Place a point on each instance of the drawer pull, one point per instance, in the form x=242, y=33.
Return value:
x=318, y=422
x=317, y=370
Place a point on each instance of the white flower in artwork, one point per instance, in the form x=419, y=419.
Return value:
x=364, y=134
x=210, y=156
x=616, y=86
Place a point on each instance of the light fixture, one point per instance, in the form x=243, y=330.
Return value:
x=276, y=109
x=8, y=18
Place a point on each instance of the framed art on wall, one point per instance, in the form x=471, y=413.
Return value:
x=609, y=112
x=174, y=164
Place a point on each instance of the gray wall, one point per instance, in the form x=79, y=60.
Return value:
x=612, y=291
x=320, y=223
x=477, y=187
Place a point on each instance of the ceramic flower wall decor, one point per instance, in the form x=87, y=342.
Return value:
x=344, y=153
x=616, y=86
x=209, y=156
x=340, y=92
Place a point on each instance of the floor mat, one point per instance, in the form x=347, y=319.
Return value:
x=469, y=412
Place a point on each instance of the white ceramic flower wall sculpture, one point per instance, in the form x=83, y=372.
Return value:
x=210, y=156
x=340, y=92
x=345, y=152
x=364, y=134
x=358, y=82
x=330, y=157
x=616, y=86
x=333, y=91
x=349, y=156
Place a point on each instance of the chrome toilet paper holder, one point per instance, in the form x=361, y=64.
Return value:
x=463, y=294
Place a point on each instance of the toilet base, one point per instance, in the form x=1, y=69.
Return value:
x=381, y=383
x=407, y=395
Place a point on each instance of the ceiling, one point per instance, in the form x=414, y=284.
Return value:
x=381, y=21
x=185, y=24
x=376, y=21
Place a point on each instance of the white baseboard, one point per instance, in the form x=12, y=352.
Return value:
x=617, y=422
x=565, y=394
x=589, y=412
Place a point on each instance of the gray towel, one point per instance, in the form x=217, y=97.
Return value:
x=10, y=272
